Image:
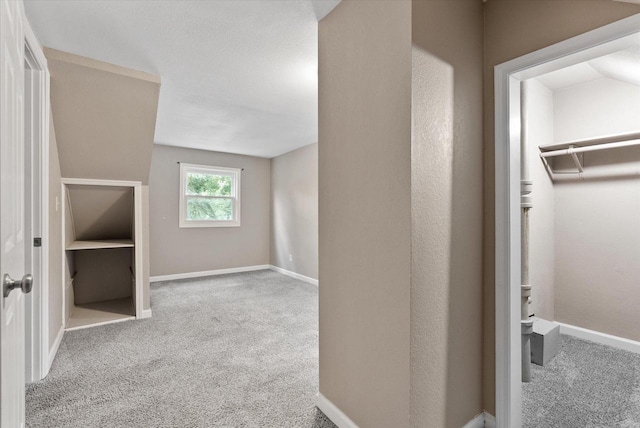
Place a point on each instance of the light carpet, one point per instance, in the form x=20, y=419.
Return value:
x=587, y=385
x=236, y=350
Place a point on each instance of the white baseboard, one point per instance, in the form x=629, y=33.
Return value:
x=477, y=422
x=489, y=420
x=206, y=273
x=334, y=413
x=54, y=349
x=294, y=275
x=602, y=338
x=146, y=313
x=482, y=420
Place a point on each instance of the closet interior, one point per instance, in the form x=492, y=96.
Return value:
x=102, y=252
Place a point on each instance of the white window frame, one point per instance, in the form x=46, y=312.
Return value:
x=235, y=173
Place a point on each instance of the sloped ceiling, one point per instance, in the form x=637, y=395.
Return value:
x=238, y=76
x=623, y=65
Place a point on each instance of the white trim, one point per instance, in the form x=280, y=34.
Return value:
x=483, y=419
x=601, y=338
x=146, y=313
x=56, y=345
x=234, y=173
x=63, y=259
x=477, y=422
x=98, y=182
x=507, y=182
x=507, y=251
x=294, y=275
x=332, y=411
x=38, y=338
x=188, y=275
x=138, y=248
x=489, y=420
x=82, y=327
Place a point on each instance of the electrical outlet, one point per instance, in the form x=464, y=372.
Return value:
x=290, y=258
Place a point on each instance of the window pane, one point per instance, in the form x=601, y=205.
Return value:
x=208, y=184
x=209, y=209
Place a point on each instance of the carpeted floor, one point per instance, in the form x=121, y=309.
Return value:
x=236, y=350
x=586, y=385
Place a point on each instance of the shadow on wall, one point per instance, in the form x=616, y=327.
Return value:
x=446, y=303
x=101, y=213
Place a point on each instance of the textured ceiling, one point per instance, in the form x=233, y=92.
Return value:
x=623, y=65
x=238, y=76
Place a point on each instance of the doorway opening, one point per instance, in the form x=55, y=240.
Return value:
x=509, y=78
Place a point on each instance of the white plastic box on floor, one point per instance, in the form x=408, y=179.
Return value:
x=545, y=341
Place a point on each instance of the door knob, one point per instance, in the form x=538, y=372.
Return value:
x=8, y=284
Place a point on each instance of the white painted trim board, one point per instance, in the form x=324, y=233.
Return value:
x=489, y=420
x=294, y=275
x=477, y=422
x=601, y=338
x=188, y=275
x=482, y=420
x=332, y=411
x=54, y=349
x=146, y=313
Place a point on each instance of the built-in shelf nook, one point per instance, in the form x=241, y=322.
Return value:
x=103, y=251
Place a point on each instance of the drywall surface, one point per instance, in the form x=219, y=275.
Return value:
x=55, y=239
x=177, y=250
x=102, y=275
x=599, y=107
x=105, y=123
x=105, y=118
x=597, y=230
x=364, y=156
x=513, y=28
x=539, y=131
x=101, y=212
x=294, y=211
x=446, y=211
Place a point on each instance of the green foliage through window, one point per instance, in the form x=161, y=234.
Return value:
x=209, y=209
x=208, y=184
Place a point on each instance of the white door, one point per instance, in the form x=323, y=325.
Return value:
x=12, y=205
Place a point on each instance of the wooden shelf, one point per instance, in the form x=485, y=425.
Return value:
x=100, y=244
x=99, y=313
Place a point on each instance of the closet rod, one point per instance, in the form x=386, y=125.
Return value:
x=573, y=150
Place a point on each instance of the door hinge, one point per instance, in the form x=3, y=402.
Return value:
x=37, y=242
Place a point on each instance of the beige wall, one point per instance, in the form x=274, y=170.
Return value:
x=294, y=211
x=446, y=208
x=514, y=28
x=364, y=156
x=105, y=118
x=55, y=239
x=177, y=250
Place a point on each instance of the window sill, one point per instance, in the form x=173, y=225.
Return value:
x=193, y=224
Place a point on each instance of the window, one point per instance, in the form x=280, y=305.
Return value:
x=209, y=196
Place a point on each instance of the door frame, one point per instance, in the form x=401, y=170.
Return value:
x=37, y=351
x=507, y=78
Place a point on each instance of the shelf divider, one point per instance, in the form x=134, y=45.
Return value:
x=100, y=244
